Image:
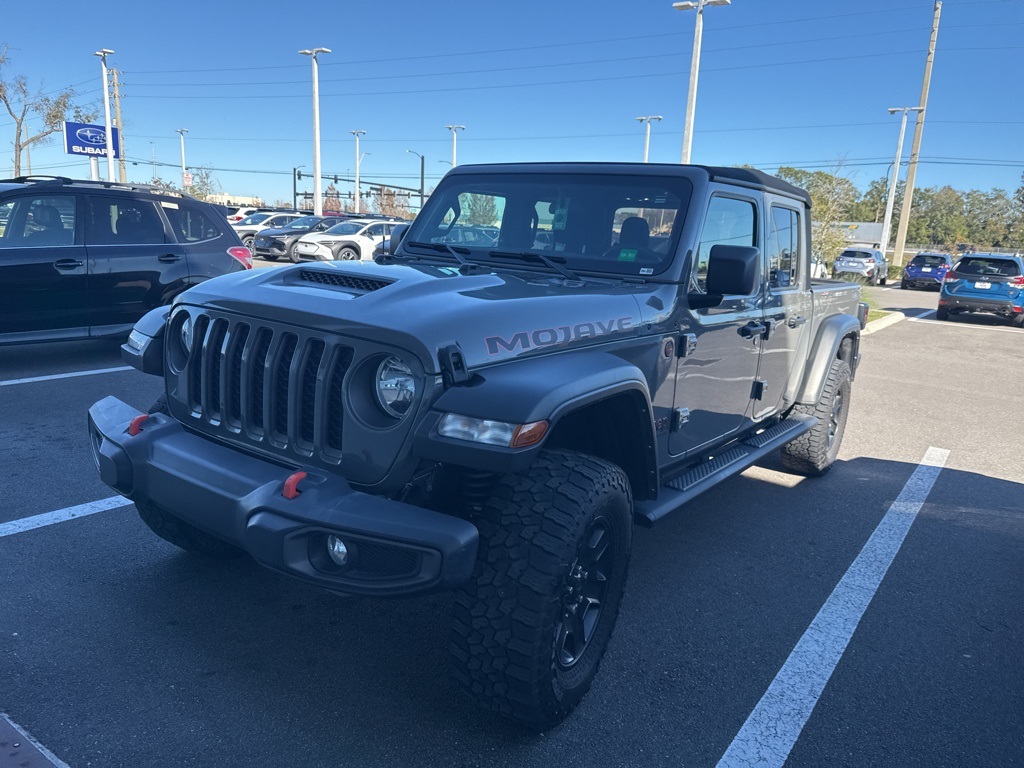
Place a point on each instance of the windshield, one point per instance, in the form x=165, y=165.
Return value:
x=345, y=228
x=255, y=218
x=304, y=223
x=606, y=223
x=929, y=261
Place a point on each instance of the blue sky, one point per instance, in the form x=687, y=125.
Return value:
x=796, y=82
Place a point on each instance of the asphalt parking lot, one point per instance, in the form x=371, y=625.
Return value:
x=119, y=650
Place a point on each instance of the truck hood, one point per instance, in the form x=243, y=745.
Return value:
x=423, y=308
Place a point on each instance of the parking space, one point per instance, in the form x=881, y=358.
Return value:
x=125, y=651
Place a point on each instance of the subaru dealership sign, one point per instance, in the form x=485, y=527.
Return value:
x=89, y=140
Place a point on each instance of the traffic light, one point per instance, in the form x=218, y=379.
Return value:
x=298, y=175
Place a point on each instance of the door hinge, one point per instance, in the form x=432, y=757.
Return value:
x=679, y=417
x=687, y=344
x=759, y=389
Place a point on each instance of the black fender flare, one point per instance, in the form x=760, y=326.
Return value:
x=144, y=350
x=549, y=388
x=824, y=350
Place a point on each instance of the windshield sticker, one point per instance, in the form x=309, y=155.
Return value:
x=646, y=270
x=559, y=220
x=627, y=254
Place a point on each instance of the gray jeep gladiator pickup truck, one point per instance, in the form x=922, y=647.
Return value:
x=490, y=414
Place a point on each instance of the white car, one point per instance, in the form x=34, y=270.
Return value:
x=348, y=241
x=250, y=225
x=241, y=213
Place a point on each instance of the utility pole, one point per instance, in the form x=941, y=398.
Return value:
x=357, y=134
x=295, y=186
x=121, y=173
x=103, y=53
x=887, y=221
x=423, y=175
x=318, y=203
x=455, y=132
x=691, y=96
x=915, y=149
x=647, y=137
x=181, y=132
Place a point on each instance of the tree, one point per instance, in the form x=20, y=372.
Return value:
x=481, y=210
x=832, y=197
x=203, y=183
x=390, y=202
x=22, y=102
x=332, y=200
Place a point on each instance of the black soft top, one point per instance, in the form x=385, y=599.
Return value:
x=747, y=177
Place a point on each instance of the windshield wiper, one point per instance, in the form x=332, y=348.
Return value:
x=534, y=256
x=467, y=265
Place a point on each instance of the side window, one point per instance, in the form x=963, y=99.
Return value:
x=37, y=221
x=784, y=248
x=192, y=225
x=729, y=222
x=375, y=230
x=122, y=221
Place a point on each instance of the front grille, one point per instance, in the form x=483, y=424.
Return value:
x=364, y=284
x=277, y=389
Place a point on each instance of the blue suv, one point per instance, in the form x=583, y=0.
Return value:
x=926, y=270
x=984, y=282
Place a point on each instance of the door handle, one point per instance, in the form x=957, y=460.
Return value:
x=67, y=264
x=753, y=329
x=168, y=258
x=796, y=321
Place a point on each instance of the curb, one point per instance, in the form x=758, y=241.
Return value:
x=883, y=322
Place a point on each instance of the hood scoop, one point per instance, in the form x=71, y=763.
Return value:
x=342, y=280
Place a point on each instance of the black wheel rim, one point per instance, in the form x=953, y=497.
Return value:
x=835, y=418
x=585, y=593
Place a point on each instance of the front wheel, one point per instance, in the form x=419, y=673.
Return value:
x=347, y=254
x=815, y=451
x=529, y=630
x=293, y=257
x=248, y=242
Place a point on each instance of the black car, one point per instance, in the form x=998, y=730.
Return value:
x=85, y=259
x=273, y=243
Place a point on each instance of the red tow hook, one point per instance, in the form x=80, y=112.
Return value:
x=135, y=426
x=291, y=485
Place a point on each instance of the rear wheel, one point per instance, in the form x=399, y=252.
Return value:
x=873, y=280
x=904, y=284
x=529, y=630
x=883, y=279
x=942, y=313
x=1018, y=320
x=814, y=452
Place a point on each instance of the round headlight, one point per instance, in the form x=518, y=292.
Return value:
x=396, y=387
x=186, y=335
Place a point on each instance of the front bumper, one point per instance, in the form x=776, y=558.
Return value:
x=275, y=248
x=397, y=548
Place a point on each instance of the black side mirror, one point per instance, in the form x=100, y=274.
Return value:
x=732, y=270
x=397, y=233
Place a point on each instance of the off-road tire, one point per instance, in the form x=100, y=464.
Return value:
x=942, y=313
x=176, y=531
x=537, y=536
x=815, y=451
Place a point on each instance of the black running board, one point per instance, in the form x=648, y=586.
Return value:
x=729, y=462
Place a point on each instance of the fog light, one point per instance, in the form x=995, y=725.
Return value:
x=337, y=550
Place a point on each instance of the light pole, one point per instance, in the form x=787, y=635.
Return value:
x=423, y=175
x=181, y=132
x=103, y=53
x=318, y=203
x=691, y=97
x=890, y=201
x=455, y=132
x=359, y=159
x=647, y=137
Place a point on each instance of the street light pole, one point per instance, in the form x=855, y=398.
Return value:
x=181, y=132
x=359, y=159
x=103, y=53
x=647, y=137
x=318, y=203
x=423, y=175
x=915, y=147
x=691, y=97
x=891, y=199
x=455, y=132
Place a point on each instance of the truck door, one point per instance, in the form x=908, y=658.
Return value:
x=715, y=376
x=787, y=304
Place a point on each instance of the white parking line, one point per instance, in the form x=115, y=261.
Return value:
x=61, y=515
x=22, y=749
x=73, y=374
x=772, y=729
